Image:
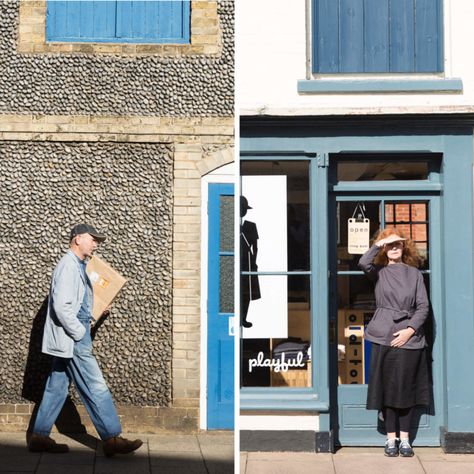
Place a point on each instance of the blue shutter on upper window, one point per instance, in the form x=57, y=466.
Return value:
x=80, y=20
x=119, y=21
x=377, y=36
x=168, y=20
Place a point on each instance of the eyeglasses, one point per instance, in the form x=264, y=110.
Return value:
x=393, y=245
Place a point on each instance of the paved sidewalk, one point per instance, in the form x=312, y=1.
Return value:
x=357, y=461
x=167, y=453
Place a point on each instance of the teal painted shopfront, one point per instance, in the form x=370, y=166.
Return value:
x=414, y=172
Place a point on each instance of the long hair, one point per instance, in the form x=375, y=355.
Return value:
x=410, y=254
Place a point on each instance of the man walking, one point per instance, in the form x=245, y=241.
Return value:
x=67, y=338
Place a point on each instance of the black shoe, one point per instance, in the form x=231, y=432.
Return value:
x=246, y=324
x=391, y=447
x=406, y=450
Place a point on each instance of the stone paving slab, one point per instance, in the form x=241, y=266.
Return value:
x=286, y=463
x=357, y=461
x=178, y=443
x=216, y=452
x=437, y=454
x=446, y=467
x=214, y=438
x=219, y=467
x=166, y=453
x=72, y=458
x=14, y=463
x=65, y=468
x=352, y=463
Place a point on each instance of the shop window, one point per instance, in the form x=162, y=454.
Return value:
x=381, y=170
x=377, y=36
x=410, y=168
x=118, y=21
x=356, y=300
x=276, y=345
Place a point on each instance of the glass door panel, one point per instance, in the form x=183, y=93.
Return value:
x=358, y=210
x=412, y=218
x=355, y=292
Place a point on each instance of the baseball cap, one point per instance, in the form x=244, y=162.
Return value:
x=86, y=229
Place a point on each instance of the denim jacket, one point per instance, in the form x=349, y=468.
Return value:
x=62, y=327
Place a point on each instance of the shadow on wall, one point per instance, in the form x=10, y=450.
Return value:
x=38, y=366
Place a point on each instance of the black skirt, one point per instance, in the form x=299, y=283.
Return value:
x=399, y=378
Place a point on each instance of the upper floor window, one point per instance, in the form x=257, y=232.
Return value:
x=118, y=21
x=377, y=36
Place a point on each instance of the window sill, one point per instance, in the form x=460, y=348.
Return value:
x=349, y=86
x=145, y=41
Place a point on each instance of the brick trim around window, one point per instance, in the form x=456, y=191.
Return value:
x=205, y=35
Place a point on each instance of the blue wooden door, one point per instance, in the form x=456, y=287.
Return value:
x=220, y=315
x=352, y=305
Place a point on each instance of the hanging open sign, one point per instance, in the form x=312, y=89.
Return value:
x=358, y=238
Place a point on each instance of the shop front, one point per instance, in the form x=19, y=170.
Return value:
x=316, y=190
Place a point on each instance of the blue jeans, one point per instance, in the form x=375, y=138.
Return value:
x=84, y=371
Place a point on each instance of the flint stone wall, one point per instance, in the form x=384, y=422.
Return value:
x=126, y=191
x=63, y=84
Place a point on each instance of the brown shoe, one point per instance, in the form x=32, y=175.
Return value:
x=119, y=445
x=45, y=444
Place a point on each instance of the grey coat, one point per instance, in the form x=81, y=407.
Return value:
x=62, y=327
x=401, y=301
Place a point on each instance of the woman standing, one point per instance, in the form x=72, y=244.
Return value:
x=399, y=377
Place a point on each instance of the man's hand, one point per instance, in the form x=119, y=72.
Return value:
x=402, y=337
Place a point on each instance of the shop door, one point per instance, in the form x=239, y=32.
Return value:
x=220, y=317
x=352, y=305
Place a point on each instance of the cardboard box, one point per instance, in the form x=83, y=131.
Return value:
x=106, y=283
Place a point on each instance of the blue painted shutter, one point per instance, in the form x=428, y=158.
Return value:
x=166, y=20
x=351, y=39
x=370, y=36
x=402, y=34
x=377, y=36
x=80, y=20
x=429, y=37
x=119, y=21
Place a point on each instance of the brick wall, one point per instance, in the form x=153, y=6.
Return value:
x=176, y=96
x=200, y=145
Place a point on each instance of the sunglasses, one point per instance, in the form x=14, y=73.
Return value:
x=392, y=245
